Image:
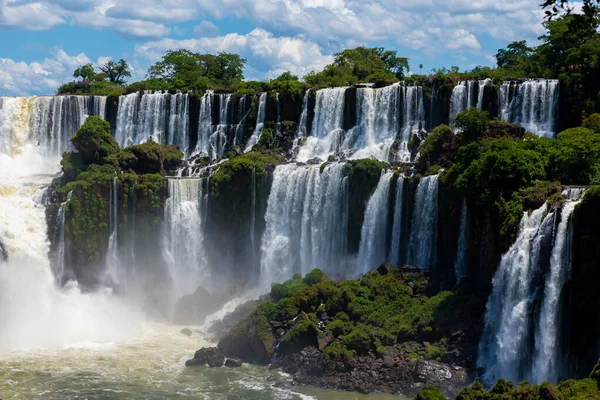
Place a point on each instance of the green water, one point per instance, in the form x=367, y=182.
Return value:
x=149, y=367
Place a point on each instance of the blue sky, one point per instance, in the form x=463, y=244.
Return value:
x=44, y=41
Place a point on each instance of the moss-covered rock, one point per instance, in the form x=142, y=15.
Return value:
x=429, y=392
x=94, y=141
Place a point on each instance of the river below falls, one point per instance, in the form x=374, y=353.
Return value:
x=148, y=367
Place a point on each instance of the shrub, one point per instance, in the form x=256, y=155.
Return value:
x=94, y=141
x=358, y=340
x=429, y=392
x=336, y=351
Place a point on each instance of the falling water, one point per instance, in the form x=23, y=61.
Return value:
x=395, y=257
x=253, y=211
x=260, y=122
x=377, y=114
x=533, y=104
x=183, y=236
x=503, y=350
x=61, y=274
x=30, y=129
x=546, y=361
x=423, y=237
x=45, y=122
x=306, y=222
x=373, y=238
x=303, y=123
x=480, y=92
x=112, y=256
x=178, y=129
x=462, y=246
x=413, y=115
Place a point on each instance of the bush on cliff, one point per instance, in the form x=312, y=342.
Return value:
x=94, y=141
x=439, y=148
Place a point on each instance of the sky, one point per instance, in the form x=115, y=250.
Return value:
x=42, y=42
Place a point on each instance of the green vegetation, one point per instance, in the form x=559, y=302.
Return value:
x=89, y=174
x=185, y=70
x=238, y=171
x=429, y=392
x=361, y=64
x=370, y=313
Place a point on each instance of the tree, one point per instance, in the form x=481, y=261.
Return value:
x=515, y=55
x=116, y=72
x=471, y=123
x=86, y=72
x=184, y=69
x=554, y=7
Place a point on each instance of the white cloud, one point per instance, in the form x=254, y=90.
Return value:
x=206, y=28
x=20, y=78
x=267, y=55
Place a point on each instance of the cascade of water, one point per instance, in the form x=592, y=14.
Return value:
x=503, y=350
x=423, y=236
x=178, y=122
x=413, y=116
x=306, y=222
x=153, y=116
x=45, y=122
x=481, y=85
x=253, y=211
x=61, y=274
x=205, y=124
x=373, y=237
x=55, y=316
x=533, y=104
x=458, y=100
x=183, y=235
x=303, y=123
x=260, y=122
x=462, y=247
x=377, y=113
x=112, y=256
x=395, y=256
x=546, y=361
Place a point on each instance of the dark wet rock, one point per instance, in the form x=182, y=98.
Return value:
x=219, y=329
x=233, y=363
x=448, y=378
x=314, y=161
x=186, y=332
x=194, y=308
x=211, y=356
x=245, y=343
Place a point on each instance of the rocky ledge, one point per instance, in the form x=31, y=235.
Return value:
x=389, y=332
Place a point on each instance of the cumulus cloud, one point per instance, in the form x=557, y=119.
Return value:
x=206, y=28
x=267, y=55
x=20, y=78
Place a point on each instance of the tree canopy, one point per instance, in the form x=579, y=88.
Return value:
x=116, y=72
x=183, y=69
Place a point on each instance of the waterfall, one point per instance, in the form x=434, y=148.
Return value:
x=112, y=256
x=480, y=92
x=253, y=211
x=504, y=348
x=463, y=244
x=413, y=114
x=205, y=125
x=178, y=123
x=153, y=116
x=373, y=237
x=60, y=260
x=303, y=123
x=546, y=361
x=385, y=120
x=395, y=256
x=44, y=122
x=377, y=114
x=183, y=236
x=33, y=133
x=467, y=94
x=423, y=237
x=260, y=122
x=532, y=104
x=306, y=222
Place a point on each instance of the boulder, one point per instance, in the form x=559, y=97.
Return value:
x=448, y=378
x=186, y=332
x=245, y=343
x=211, y=356
x=233, y=363
x=194, y=308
